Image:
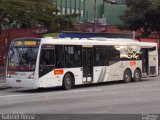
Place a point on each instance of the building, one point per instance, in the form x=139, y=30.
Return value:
x=104, y=11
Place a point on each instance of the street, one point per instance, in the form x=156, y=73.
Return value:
x=107, y=98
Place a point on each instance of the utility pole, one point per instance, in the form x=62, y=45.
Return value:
x=103, y=9
x=79, y=10
x=95, y=10
x=84, y=10
x=75, y=9
x=56, y=7
x=66, y=7
x=70, y=6
x=75, y=6
x=61, y=8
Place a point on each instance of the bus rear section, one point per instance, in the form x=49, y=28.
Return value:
x=21, y=64
x=149, y=54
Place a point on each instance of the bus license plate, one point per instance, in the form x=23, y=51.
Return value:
x=18, y=81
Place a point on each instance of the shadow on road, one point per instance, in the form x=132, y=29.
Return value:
x=55, y=89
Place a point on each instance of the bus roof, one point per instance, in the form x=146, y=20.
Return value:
x=95, y=41
x=27, y=38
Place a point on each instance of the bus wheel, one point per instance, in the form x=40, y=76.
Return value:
x=67, y=81
x=127, y=76
x=137, y=75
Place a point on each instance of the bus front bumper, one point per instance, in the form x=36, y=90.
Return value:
x=22, y=83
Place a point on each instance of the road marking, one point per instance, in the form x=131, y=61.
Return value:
x=12, y=96
x=74, y=91
x=61, y=92
x=84, y=90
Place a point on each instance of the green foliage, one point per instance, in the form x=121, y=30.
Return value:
x=31, y=13
x=27, y=13
x=55, y=35
x=65, y=23
x=142, y=14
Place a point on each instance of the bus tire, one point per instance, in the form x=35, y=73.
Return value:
x=127, y=76
x=67, y=81
x=137, y=75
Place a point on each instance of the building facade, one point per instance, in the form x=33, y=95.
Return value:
x=105, y=11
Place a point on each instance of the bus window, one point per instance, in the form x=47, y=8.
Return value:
x=73, y=56
x=105, y=55
x=47, y=61
x=59, y=56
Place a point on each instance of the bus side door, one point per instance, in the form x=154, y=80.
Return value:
x=46, y=66
x=87, y=64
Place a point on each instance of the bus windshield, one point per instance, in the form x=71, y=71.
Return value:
x=22, y=57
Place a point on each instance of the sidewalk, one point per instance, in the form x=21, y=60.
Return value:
x=2, y=78
x=4, y=86
x=2, y=83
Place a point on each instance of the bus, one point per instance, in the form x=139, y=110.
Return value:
x=51, y=62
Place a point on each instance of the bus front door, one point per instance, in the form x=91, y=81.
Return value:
x=87, y=65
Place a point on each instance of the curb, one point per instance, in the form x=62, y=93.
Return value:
x=3, y=86
x=3, y=83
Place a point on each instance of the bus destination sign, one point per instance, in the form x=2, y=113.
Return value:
x=26, y=43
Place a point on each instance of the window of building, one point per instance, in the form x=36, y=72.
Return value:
x=82, y=13
x=77, y=11
x=63, y=11
x=72, y=11
x=68, y=10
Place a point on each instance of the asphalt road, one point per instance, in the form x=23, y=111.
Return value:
x=112, y=97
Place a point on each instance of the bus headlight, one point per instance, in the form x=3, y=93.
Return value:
x=9, y=75
x=31, y=76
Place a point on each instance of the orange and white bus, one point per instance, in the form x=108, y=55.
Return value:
x=49, y=62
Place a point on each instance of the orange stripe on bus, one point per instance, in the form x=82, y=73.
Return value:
x=58, y=72
x=132, y=63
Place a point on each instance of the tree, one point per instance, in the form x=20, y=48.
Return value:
x=27, y=13
x=142, y=15
x=65, y=22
